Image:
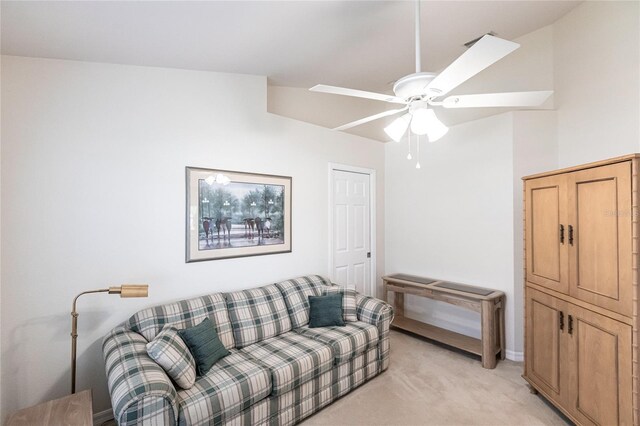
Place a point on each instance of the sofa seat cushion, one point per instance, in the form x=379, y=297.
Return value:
x=233, y=384
x=347, y=342
x=296, y=294
x=293, y=359
x=257, y=314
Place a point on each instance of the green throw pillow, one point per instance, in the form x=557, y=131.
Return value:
x=204, y=344
x=325, y=311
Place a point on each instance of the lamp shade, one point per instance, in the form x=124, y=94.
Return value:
x=435, y=128
x=130, y=290
x=420, y=121
x=425, y=122
x=398, y=127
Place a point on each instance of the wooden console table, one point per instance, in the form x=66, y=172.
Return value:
x=488, y=303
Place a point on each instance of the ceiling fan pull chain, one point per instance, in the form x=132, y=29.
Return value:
x=418, y=151
x=418, y=64
x=409, y=140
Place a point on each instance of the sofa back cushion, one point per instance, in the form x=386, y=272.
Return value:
x=296, y=294
x=257, y=314
x=184, y=314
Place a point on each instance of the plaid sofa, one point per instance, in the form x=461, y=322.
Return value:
x=279, y=370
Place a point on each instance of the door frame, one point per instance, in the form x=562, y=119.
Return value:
x=373, y=285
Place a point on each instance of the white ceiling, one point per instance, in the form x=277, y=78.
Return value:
x=359, y=44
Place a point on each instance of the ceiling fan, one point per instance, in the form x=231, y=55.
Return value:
x=419, y=92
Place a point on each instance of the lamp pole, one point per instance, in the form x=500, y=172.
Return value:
x=74, y=335
x=126, y=290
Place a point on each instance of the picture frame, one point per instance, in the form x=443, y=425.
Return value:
x=232, y=214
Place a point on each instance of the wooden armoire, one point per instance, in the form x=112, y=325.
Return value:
x=581, y=290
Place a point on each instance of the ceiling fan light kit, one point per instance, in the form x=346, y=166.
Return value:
x=398, y=127
x=421, y=91
x=420, y=121
x=435, y=128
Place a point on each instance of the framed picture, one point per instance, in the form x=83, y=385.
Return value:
x=236, y=214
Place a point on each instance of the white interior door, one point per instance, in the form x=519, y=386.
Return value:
x=351, y=231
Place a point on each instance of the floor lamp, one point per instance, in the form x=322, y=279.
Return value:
x=126, y=290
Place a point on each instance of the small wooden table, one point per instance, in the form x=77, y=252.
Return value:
x=75, y=409
x=488, y=303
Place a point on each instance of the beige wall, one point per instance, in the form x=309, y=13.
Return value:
x=596, y=72
x=93, y=159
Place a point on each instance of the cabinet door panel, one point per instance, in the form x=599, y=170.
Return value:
x=600, y=256
x=546, y=250
x=545, y=346
x=601, y=369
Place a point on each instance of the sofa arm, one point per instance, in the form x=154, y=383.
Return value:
x=141, y=392
x=376, y=312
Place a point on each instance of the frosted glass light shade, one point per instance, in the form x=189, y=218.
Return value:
x=435, y=129
x=398, y=127
x=425, y=122
x=420, y=121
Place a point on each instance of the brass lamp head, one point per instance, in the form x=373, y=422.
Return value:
x=130, y=290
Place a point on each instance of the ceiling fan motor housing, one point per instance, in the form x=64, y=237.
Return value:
x=415, y=86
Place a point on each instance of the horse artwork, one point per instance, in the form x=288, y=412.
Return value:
x=224, y=224
x=262, y=226
x=249, y=227
x=251, y=214
x=206, y=225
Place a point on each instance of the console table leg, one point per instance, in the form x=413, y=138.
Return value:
x=503, y=344
x=488, y=334
x=398, y=302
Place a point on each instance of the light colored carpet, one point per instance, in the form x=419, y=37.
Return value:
x=427, y=384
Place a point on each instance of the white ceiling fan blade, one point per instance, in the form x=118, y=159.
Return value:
x=511, y=99
x=357, y=93
x=482, y=54
x=371, y=118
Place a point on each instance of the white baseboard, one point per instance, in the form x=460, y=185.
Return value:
x=514, y=356
x=102, y=416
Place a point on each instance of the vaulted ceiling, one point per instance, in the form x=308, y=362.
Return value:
x=359, y=44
